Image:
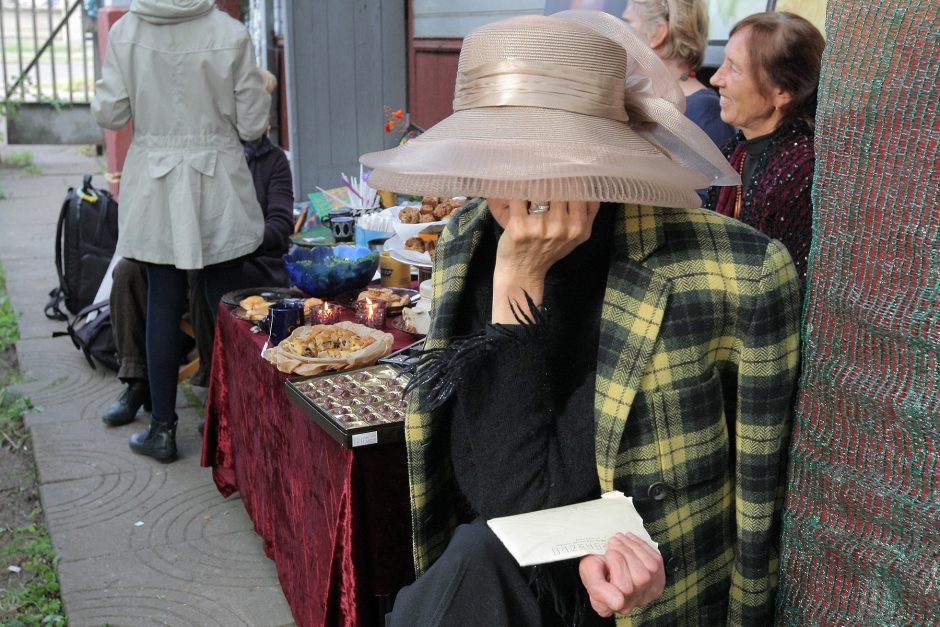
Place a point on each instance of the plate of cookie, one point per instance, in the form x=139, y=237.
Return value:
x=432, y=212
x=396, y=298
x=254, y=307
x=406, y=326
x=233, y=298
x=416, y=251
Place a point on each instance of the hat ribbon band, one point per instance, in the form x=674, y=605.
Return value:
x=519, y=83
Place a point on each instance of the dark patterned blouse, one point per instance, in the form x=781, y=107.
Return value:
x=777, y=196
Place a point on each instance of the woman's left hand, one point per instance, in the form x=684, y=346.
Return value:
x=531, y=244
x=630, y=574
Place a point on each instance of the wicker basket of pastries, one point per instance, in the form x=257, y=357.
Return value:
x=342, y=346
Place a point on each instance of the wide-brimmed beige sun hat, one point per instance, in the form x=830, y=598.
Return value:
x=574, y=106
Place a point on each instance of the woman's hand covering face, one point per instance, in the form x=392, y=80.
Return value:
x=531, y=244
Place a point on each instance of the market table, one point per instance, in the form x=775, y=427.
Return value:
x=335, y=520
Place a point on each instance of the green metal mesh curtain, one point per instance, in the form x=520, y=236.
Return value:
x=861, y=541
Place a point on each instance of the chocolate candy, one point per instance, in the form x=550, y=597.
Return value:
x=366, y=397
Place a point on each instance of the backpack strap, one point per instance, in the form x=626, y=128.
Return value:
x=53, y=309
x=72, y=331
x=94, y=197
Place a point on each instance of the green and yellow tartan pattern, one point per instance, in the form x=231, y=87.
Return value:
x=697, y=360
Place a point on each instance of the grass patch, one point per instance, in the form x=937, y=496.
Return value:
x=30, y=596
x=36, y=602
x=9, y=329
x=13, y=432
x=22, y=159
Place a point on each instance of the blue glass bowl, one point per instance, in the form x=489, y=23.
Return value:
x=330, y=270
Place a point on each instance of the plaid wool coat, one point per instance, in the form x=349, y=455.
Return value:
x=697, y=363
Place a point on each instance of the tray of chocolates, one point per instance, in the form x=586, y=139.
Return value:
x=358, y=407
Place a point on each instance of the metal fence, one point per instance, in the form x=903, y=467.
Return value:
x=48, y=53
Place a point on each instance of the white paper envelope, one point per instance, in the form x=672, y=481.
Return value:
x=560, y=533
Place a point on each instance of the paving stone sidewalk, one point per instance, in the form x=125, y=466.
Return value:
x=140, y=543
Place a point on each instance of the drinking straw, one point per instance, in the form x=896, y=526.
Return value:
x=351, y=187
x=342, y=202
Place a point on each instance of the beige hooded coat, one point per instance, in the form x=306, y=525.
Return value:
x=184, y=73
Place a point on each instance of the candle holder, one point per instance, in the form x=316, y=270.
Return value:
x=371, y=312
x=325, y=313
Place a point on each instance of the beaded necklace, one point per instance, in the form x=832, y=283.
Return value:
x=740, y=190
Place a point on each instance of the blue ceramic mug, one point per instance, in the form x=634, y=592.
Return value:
x=343, y=228
x=283, y=318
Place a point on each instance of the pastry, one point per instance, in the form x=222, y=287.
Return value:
x=389, y=296
x=324, y=340
x=255, y=307
x=443, y=210
x=409, y=215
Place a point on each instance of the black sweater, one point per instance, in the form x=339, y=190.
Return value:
x=522, y=435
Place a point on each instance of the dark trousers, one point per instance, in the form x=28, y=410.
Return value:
x=477, y=582
x=166, y=302
x=128, y=303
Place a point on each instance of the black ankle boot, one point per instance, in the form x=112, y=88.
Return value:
x=124, y=409
x=159, y=442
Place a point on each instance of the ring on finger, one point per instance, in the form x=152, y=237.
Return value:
x=538, y=208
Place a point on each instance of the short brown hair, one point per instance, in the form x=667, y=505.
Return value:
x=786, y=52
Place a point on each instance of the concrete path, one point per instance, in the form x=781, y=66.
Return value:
x=140, y=543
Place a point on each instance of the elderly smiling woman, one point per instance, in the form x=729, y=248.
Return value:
x=768, y=84
x=591, y=332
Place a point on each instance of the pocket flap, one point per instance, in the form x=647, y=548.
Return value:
x=160, y=165
x=202, y=162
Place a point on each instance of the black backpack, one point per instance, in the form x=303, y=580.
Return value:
x=92, y=334
x=85, y=239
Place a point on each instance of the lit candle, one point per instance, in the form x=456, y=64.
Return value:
x=371, y=312
x=326, y=314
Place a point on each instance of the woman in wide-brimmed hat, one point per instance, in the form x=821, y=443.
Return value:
x=590, y=333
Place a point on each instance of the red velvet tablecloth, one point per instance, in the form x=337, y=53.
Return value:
x=335, y=521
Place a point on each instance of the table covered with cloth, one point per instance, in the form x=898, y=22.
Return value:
x=335, y=521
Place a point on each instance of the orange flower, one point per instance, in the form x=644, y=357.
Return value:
x=389, y=126
x=399, y=114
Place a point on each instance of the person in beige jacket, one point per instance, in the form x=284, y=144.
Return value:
x=184, y=73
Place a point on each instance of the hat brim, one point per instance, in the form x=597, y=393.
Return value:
x=535, y=154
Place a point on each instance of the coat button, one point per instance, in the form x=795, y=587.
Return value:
x=657, y=491
x=672, y=566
